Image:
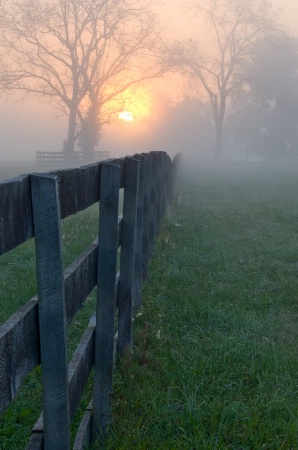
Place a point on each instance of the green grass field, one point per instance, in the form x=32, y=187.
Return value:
x=215, y=357
x=215, y=363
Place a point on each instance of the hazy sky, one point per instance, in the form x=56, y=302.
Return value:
x=28, y=127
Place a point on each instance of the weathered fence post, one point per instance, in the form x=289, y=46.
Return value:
x=170, y=180
x=162, y=185
x=152, y=206
x=137, y=285
x=158, y=192
x=146, y=214
x=51, y=309
x=106, y=297
x=128, y=236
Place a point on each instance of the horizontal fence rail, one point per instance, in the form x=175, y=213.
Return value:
x=33, y=206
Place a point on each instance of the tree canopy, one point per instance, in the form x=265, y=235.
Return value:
x=234, y=27
x=78, y=55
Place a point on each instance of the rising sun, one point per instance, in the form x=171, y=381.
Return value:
x=126, y=115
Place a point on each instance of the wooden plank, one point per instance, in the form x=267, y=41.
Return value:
x=36, y=441
x=78, y=188
x=152, y=206
x=168, y=180
x=106, y=297
x=19, y=350
x=51, y=307
x=163, y=184
x=146, y=215
x=15, y=212
x=137, y=284
x=84, y=433
x=158, y=192
x=80, y=278
x=80, y=366
x=127, y=256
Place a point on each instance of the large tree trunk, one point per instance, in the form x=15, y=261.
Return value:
x=218, y=141
x=90, y=134
x=219, y=117
x=69, y=156
x=71, y=138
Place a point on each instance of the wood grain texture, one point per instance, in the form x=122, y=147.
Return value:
x=159, y=192
x=36, y=441
x=78, y=188
x=80, y=366
x=51, y=309
x=127, y=256
x=19, y=350
x=152, y=205
x=84, y=433
x=167, y=179
x=16, y=224
x=106, y=297
x=163, y=184
x=80, y=278
x=138, y=253
x=146, y=215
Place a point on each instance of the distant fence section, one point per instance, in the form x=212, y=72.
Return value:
x=32, y=206
x=58, y=158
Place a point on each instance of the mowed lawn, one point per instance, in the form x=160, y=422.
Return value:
x=215, y=363
x=215, y=355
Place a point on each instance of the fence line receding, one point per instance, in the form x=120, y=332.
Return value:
x=33, y=206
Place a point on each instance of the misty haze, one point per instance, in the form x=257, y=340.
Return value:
x=148, y=302
x=174, y=100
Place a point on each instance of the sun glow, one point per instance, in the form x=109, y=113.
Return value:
x=127, y=116
x=135, y=104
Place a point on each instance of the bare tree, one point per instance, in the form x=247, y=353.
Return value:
x=234, y=26
x=77, y=54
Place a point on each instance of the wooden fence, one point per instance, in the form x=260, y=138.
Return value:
x=33, y=206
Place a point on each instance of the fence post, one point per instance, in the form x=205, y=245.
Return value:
x=170, y=180
x=146, y=215
x=106, y=297
x=128, y=235
x=163, y=183
x=137, y=285
x=51, y=309
x=158, y=192
x=152, y=206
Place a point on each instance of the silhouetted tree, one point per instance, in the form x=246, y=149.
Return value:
x=79, y=54
x=90, y=133
x=234, y=26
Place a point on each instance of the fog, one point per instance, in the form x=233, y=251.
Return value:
x=30, y=126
